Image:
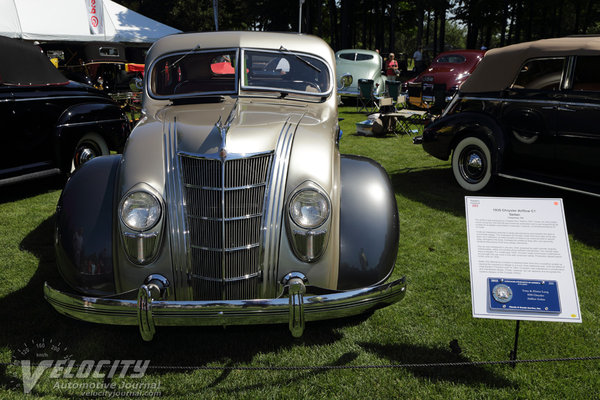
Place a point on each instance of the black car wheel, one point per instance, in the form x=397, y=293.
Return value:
x=91, y=145
x=472, y=164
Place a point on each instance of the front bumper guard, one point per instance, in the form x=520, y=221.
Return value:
x=294, y=309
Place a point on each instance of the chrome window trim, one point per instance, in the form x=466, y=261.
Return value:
x=104, y=121
x=551, y=102
x=148, y=78
x=271, y=89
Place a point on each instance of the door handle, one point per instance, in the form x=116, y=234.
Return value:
x=565, y=108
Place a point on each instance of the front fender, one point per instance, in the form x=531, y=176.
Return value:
x=369, y=227
x=84, y=227
x=106, y=119
x=442, y=135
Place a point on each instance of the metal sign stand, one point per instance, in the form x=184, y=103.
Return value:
x=513, y=353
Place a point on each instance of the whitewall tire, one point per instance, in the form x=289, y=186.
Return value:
x=91, y=145
x=472, y=164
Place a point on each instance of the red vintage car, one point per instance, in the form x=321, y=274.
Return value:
x=447, y=72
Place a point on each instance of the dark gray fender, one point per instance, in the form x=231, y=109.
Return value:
x=369, y=230
x=84, y=227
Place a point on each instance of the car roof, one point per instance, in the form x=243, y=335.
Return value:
x=499, y=67
x=246, y=39
x=28, y=66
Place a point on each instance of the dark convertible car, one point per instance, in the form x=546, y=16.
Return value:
x=530, y=112
x=50, y=124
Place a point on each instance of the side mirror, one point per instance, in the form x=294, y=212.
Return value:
x=345, y=81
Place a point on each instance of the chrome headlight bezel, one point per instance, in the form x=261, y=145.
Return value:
x=309, y=240
x=154, y=210
x=142, y=243
x=321, y=201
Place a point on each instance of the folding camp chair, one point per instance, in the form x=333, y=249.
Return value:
x=393, y=89
x=415, y=96
x=366, y=98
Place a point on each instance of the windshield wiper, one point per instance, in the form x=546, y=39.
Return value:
x=281, y=48
x=174, y=63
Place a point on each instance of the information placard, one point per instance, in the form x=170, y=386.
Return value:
x=520, y=260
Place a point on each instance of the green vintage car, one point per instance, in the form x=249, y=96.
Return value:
x=360, y=64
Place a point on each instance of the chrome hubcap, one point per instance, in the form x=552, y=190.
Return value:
x=472, y=165
x=85, y=155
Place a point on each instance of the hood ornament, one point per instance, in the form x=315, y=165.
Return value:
x=223, y=129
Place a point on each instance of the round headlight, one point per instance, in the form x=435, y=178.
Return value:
x=140, y=211
x=309, y=208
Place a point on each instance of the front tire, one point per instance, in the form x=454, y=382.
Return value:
x=472, y=164
x=91, y=145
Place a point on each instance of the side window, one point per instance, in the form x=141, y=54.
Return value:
x=540, y=74
x=363, y=57
x=348, y=56
x=586, y=76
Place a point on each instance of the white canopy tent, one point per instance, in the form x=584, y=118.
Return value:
x=77, y=20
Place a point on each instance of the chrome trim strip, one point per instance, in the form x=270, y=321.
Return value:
x=274, y=205
x=228, y=280
x=517, y=178
x=179, y=235
x=89, y=123
x=229, y=189
x=226, y=249
x=217, y=156
x=552, y=102
x=20, y=99
x=250, y=216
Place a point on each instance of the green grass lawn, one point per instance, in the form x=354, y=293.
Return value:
x=436, y=310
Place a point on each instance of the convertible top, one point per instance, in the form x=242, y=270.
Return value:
x=499, y=67
x=24, y=64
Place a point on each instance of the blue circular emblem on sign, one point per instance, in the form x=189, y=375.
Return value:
x=502, y=293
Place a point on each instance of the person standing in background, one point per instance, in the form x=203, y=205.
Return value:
x=391, y=68
x=418, y=57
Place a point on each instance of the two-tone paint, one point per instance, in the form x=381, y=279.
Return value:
x=547, y=136
x=342, y=265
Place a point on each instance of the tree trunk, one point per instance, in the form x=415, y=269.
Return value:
x=333, y=24
x=392, y=45
x=442, y=40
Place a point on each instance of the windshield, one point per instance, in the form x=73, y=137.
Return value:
x=204, y=73
x=285, y=72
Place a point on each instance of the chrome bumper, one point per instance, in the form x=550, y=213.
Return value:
x=294, y=309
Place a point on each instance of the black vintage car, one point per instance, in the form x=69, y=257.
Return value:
x=50, y=124
x=530, y=112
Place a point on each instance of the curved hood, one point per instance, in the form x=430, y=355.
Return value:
x=249, y=127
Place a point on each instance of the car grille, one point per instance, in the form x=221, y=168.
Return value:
x=224, y=204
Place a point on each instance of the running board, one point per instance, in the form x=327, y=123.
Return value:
x=552, y=185
x=31, y=175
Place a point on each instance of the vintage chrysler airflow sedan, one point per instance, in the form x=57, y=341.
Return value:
x=231, y=203
x=529, y=112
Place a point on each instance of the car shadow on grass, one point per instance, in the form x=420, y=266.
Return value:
x=409, y=354
x=31, y=188
x=30, y=320
x=435, y=187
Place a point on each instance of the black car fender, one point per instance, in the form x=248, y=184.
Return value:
x=369, y=227
x=106, y=119
x=84, y=227
x=442, y=136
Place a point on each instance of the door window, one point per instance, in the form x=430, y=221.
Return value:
x=540, y=74
x=586, y=76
